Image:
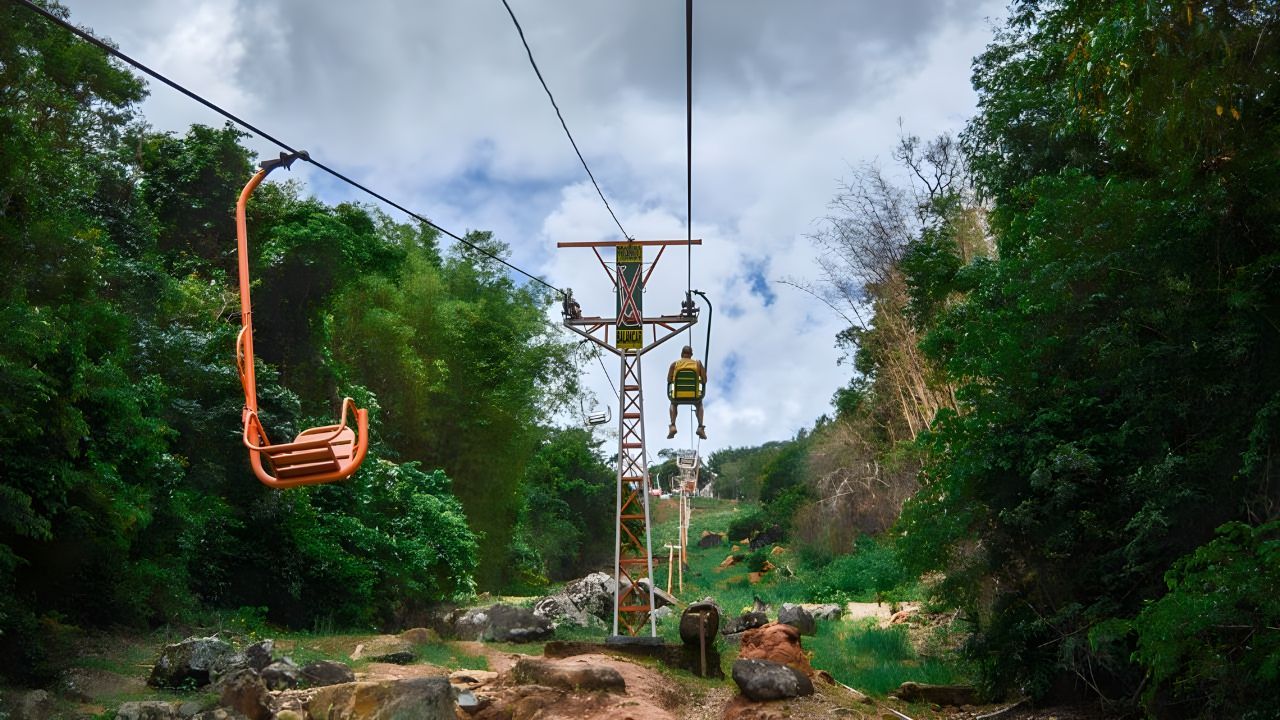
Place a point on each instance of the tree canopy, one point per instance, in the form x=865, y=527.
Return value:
x=125, y=494
x=1118, y=362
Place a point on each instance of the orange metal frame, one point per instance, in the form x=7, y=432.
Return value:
x=318, y=455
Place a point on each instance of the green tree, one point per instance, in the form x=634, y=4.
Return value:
x=1118, y=362
x=125, y=496
x=1210, y=642
x=740, y=471
x=466, y=366
x=569, y=496
x=77, y=426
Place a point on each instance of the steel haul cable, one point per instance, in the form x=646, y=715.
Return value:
x=270, y=138
x=688, y=138
x=563, y=124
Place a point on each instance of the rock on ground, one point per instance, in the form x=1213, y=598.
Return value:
x=420, y=636
x=163, y=710
x=580, y=601
x=424, y=698
x=766, y=680
x=746, y=621
x=194, y=660
x=798, y=618
x=825, y=611
x=281, y=675
x=710, y=539
x=572, y=674
x=385, y=648
x=648, y=695
x=937, y=694
x=508, y=623
x=26, y=705
x=327, y=672
x=246, y=693
x=775, y=642
x=258, y=655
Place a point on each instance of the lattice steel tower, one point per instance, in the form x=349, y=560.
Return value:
x=633, y=602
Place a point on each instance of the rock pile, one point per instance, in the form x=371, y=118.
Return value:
x=585, y=602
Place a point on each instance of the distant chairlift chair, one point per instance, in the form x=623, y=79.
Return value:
x=317, y=455
x=596, y=417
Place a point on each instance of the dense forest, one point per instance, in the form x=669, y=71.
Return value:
x=1066, y=399
x=126, y=497
x=1063, y=340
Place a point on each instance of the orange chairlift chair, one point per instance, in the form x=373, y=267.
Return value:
x=318, y=455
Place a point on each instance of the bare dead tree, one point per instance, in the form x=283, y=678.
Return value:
x=871, y=224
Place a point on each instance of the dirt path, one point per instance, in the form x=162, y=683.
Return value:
x=855, y=611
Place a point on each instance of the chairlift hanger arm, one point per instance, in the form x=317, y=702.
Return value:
x=317, y=455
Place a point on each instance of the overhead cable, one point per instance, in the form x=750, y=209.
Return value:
x=607, y=376
x=266, y=136
x=688, y=137
x=563, y=124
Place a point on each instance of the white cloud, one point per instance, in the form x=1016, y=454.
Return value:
x=434, y=104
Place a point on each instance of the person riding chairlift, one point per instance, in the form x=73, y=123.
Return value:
x=686, y=393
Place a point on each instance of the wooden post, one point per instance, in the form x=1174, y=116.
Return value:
x=702, y=640
x=671, y=555
x=681, y=572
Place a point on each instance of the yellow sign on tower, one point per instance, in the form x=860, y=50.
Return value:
x=630, y=330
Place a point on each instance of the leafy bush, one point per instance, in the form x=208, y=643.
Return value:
x=873, y=570
x=1211, y=643
x=756, y=560
x=568, y=497
x=745, y=525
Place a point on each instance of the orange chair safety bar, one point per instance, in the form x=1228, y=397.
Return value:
x=317, y=455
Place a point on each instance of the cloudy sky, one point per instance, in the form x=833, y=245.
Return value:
x=434, y=104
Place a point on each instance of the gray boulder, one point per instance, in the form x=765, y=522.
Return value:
x=592, y=595
x=282, y=675
x=216, y=714
x=254, y=657
x=469, y=624
x=558, y=609
x=508, y=623
x=244, y=692
x=580, y=601
x=765, y=680
x=798, y=618
x=747, y=621
x=827, y=611
x=27, y=705
x=194, y=661
x=258, y=655
x=327, y=672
